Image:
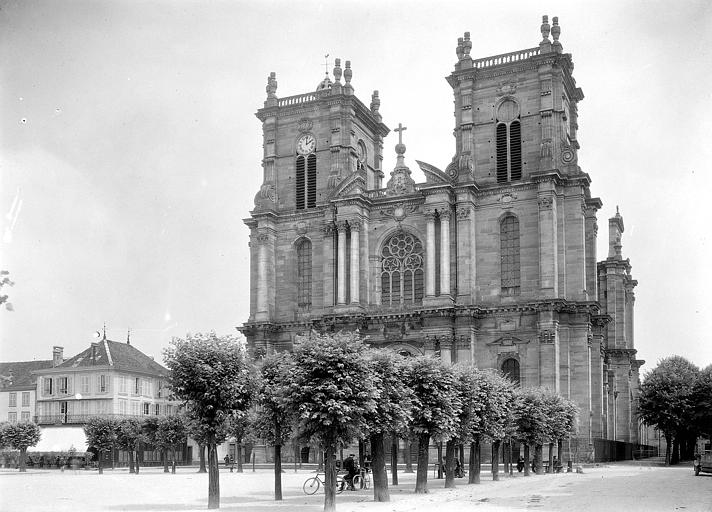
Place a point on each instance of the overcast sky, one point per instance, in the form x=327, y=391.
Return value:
x=130, y=153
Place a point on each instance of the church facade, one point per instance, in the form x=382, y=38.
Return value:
x=491, y=261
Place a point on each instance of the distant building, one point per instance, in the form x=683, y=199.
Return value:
x=18, y=389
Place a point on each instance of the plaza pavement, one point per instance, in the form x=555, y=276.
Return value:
x=624, y=487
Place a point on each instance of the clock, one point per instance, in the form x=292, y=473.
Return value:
x=306, y=144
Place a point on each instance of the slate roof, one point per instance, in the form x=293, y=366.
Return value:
x=18, y=375
x=119, y=356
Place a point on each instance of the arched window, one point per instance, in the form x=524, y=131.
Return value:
x=508, y=143
x=402, y=270
x=306, y=181
x=304, y=273
x=510, y=369
x=509, y=250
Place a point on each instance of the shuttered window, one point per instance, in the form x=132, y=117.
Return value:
x=306, y=182
x=509, y=250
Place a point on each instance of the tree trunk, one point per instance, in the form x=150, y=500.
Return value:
x=213, y=475
x=330, y=478
x=450, y=464
x=495, y=460
x=138, y=453
x=471, y=466
x=378, y=466
x=201, y=451
x=394, y=458
x=320, y=459
x=239, y=456
x=538, y=456
x=165, y=460
x=560, y=452
x=668, y=443
x=407, y=456
x=173, y=460
x=527, y=465
x=23, y=456
x=421, y=478
x=113, y=457
x=478, y=462
x=675, y=450
x=131, y=462
x=277, y=462
x=440, y=460
x=461, y=450
x=551, y=458
x=101, y=461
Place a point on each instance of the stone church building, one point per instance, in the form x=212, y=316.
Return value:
x=491, y=261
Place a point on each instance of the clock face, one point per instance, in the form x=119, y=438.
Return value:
x=306, y=144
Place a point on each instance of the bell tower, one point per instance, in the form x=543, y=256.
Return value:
x=515, y=113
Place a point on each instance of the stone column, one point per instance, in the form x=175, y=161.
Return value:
x=430, y=253
x=548, y=242
x=341, y=264
x=355, y=259
x=445, y=251
x=262, y=313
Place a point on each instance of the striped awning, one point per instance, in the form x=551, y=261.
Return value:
x=61, y=439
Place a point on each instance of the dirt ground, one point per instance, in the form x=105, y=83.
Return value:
x=625, y=487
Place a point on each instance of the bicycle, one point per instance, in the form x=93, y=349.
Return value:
x=313, y=484
x=363, y=479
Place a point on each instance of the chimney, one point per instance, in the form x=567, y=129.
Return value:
x=57, y=355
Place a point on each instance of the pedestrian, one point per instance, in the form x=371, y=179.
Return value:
x=352, y=470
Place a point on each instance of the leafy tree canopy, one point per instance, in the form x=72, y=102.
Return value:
x=20, y=435
x=101, y=432
x=393, y=407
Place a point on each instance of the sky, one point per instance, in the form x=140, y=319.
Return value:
x=130, y=153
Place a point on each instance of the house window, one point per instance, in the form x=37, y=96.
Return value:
x=25, y=416
x=137, y=386
x=509, y=249
x=402, y=270
x=146, y=408
x=103, y=383
x=25, y=399
x=510, y=369
x=157, y=409
x=85, y=383
x=508, y=142
x=12, y=417
x=134, y=408
x=13, y=399
x=306, y=181
x=304, y=273
x=63, y=385
x=47, y=385
x=122, y=407
x=122, y=385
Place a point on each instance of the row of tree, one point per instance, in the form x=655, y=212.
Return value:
x=676, y=398
x=19, y=436
x=333, y=390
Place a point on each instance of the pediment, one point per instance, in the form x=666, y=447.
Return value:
x=433, y=175
x=352, y=186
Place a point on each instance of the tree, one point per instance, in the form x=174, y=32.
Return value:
x=150, y=435
x=667, y=399
x=391, y=414
x=435, y=407
x=129, y=434
x=530, y=421
x=215, y=379
x=197, y=431
x=561, y=415
x=20, y=436
x=5, y=281
x=171, y=433
x=702, y=398
x=331, y=391
x=101, y=433
x=489, y=400
x=275, y=417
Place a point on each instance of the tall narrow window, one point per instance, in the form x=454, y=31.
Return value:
x=510, y=369
x=509, y=248
x=306, y=181
x=508, y=142
x=304, y=273
x=402, y=270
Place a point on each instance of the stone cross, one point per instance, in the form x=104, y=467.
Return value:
x=400, y=131
x=326, y=64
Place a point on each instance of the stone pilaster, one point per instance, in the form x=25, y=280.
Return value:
x=355, y=227
x=548, y=241
x=445, y=252
x=341, y=226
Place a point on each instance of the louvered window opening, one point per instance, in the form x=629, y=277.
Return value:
x=509, y=151
x=306, y=182
x=509, y=246
x=402, y=271
x=304, y=274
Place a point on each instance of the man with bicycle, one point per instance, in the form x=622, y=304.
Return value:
x=352, y=470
